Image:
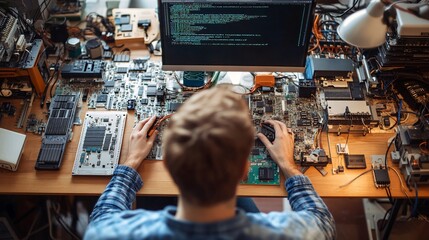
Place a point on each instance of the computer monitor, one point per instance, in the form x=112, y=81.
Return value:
x=240, y=35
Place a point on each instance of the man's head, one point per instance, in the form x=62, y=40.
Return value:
x=206, y=146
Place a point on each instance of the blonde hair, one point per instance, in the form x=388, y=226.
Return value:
x=206, y=145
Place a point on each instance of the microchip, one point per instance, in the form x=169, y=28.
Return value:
x=151, y=91
x=144, y=101
x=268, y=109
x=255, y=151
x=173, y=106
x=259, y=104
x=109, y=84
x=291, y=88
x=122, y=70
x=257, y=98
x=265, y=174
x=269, y=101
x=102, y=98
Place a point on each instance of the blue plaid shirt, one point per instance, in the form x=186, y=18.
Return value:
x=113, y=219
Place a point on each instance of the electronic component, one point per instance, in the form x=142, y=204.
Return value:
x=11, y=148
x=342, y=148
x=32, y=66
x=355, y=161
x=94, y=48
x=410, y=25
x=100, y=143
x=413, y=157
x=58, y=131
x=380, y=172
x=350, y=116
x=83, y=69
x=328, y=68
x=316, y=157
x=121, y=57
x=268, y=131
x=193, y=79
x=135, y=25
x=265, y=174
x=306, y=88
x=73, y=47
x=156, y=93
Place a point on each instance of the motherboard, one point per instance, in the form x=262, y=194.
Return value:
x=140, y=86
x=100, y=143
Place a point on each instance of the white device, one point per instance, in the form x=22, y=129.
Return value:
x=11, y=148
x=410, y=25
x=100, y=143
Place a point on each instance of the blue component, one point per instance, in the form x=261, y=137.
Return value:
x=309, y=69
x=193, y=79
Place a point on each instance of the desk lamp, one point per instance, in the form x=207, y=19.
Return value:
x=367, y=28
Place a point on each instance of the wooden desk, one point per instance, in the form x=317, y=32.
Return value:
x=157, y=181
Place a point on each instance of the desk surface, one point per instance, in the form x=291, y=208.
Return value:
x=157, y=181
x=26, y=180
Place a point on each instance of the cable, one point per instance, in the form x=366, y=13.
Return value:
x=349, y=9
x=387, y=151
x=399, y=112
x=348, y=134
x=63, y=224
x=384, y=218
x=401, y=183
x=389, y=194
x=53, y=84
x=327, y=133
x=358, y=176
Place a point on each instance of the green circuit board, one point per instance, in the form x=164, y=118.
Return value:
x=263, y=170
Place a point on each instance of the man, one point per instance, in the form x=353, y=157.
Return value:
x=206, y=147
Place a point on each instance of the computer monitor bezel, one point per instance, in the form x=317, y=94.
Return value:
x=242, y=68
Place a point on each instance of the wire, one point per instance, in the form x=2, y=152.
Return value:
x=348, y=134
x=423, y=147
x=399, y=112
x=387, y=151
x=349, y=9
x=389, y=194
x=53, y=84
x=401, y=182
x=327, y=133
x=383, y=223
x=62, y=223
x=358, y=176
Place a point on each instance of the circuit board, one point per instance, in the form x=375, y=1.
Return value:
x=142, y=87
x=100, y=143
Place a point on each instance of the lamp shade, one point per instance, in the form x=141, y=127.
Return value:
x=365, y=28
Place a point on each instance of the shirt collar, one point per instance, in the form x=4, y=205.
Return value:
x=237, y=222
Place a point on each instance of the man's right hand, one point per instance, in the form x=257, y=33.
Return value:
x=281, y=150
x=139, y=144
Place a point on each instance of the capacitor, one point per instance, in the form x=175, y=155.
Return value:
x=94, y=48
x=73, y=47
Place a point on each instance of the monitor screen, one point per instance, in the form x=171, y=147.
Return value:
x=241, y=35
